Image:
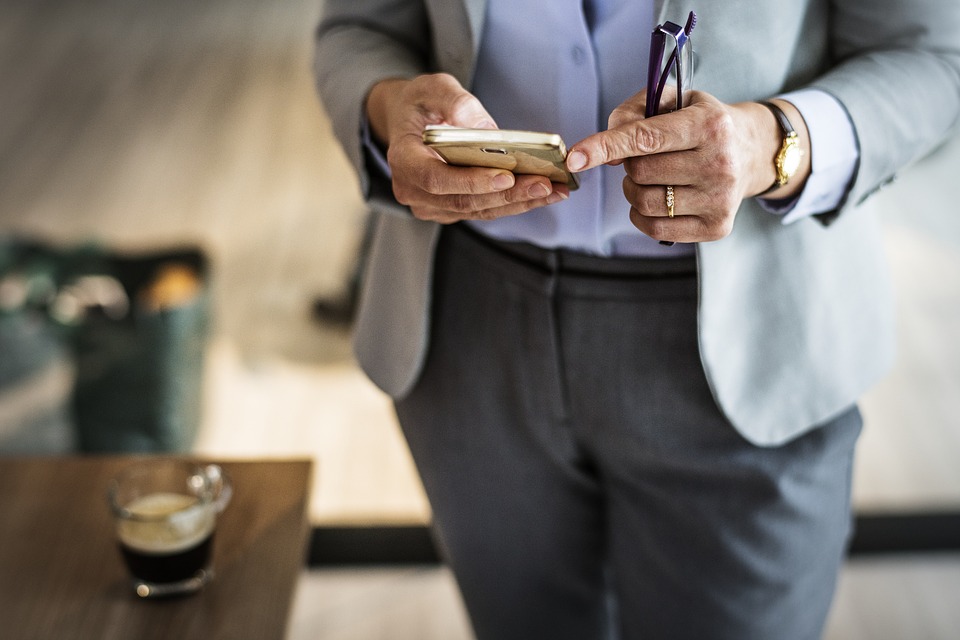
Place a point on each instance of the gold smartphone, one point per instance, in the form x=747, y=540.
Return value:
x=522, y=152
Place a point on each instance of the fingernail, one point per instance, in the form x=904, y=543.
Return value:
x=556, y=197
x=576, y=160
x=538, y=191
x=503, y=181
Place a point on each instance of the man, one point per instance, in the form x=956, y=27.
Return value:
x=619, y=436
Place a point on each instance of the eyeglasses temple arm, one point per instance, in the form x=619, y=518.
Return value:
x=654, y=80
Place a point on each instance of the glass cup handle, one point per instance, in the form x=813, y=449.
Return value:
x=220, y=486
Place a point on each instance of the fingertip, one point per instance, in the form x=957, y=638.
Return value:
x=539, y=190
x=576, y=160
x=503, y=181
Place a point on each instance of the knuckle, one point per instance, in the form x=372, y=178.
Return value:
x=433, y=214
x=647, y=139
x=719, y=125
x=402, y=194
x=517, y=208
x=606, y=148
x=507, y=196
x=634, y=169
x=712, y=233
x=460, y=202
x=486, y=214
x=657, y=228
x=724, y=202
x=430, y=182
x=733, y=203
x=718, y=228
x=394, y=156
x=720, y=133
x=441, y=77
x=726, y=168
x=424, y=213
x=617, y=117
x=638, y=197
x=725, y=229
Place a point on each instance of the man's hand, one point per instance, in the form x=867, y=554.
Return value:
x=713, y=154
x=398, y=110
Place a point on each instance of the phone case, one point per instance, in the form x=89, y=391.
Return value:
x=522, y=152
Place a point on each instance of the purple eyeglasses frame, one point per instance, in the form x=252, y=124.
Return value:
x=657, y=71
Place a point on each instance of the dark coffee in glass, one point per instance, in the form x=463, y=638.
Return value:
x=166, y=513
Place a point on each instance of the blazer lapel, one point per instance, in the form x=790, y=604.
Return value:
x=660, y=8
x=476, y=11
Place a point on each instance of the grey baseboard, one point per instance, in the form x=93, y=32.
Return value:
x=375, y=545
x=920, y=532
x=874, y=534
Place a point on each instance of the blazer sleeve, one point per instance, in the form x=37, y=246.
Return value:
x=358, y=44
x=897, y=73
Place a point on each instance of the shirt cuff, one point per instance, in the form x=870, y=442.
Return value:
x=834, y=155
x=376, y=158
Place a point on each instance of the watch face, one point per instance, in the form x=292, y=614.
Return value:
x=788, y=160
x=791, y=160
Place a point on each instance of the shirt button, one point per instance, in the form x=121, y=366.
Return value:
x=579, y=55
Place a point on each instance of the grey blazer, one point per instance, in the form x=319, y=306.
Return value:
x=795, y=321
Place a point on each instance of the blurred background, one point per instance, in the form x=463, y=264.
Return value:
x=134, y=130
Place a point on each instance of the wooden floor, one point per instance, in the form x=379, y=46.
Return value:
x=903, y=598
x=142, y=124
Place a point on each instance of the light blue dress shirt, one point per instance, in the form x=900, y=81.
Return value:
x=562, y=66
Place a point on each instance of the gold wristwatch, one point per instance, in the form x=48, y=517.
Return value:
x=787, y=160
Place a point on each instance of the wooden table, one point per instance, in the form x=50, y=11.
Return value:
x=61, y=574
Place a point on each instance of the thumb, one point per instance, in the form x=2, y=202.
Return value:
x=460, y=108
x=465, y=110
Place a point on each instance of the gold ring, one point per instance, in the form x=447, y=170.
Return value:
x=670, y=201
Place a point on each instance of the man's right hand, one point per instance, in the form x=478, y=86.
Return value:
x=399, y=109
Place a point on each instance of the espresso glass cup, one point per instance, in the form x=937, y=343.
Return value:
x=165, y=513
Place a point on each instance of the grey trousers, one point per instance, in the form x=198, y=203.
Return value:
x=583, y=482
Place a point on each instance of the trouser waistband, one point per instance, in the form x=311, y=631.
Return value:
x=564, y=261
